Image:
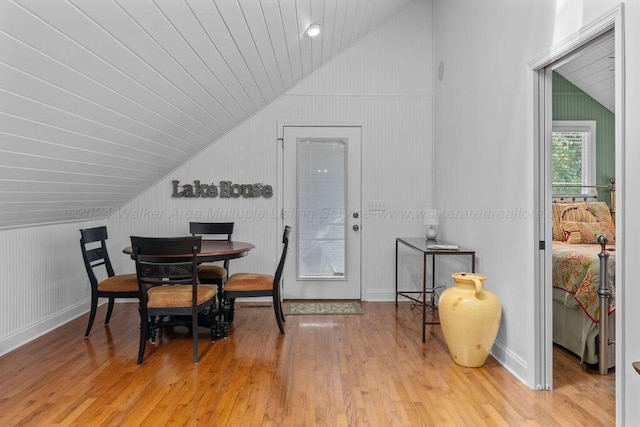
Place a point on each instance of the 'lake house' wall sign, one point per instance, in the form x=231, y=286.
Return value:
x=226, y=189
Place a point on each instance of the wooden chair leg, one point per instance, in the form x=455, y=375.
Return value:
x=144, y=332
x=216, y=324
x=109, y=310
x=277, y=308
x=230, y=308
x=224, y=317
x=220, y=294
x=152, y=332
x=277, y=301
x=194, y=336
x=92, y=314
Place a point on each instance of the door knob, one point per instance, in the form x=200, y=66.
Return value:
x=356, y=214
x=356, y=227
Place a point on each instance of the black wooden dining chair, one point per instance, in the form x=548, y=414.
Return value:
x=210, y=273
x=241, y=285
x=170, y=293
x=96, y=257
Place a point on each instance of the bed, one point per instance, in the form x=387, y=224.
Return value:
x=576, y=271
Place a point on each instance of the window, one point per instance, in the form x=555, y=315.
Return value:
x=573, y=157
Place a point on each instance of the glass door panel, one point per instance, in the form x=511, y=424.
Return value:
x=321, y=204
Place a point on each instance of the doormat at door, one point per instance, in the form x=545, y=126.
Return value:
x=322, y=307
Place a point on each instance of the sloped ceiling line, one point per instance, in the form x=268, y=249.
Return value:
x=255, y=27
x=592, y=70
x=225, y=100
x=251, y=76
x=18, y=144
x=92, y=82
x=99, y=99
x=219, y=114
x=79, y=99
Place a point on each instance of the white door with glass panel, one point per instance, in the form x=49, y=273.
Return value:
x=321, y=201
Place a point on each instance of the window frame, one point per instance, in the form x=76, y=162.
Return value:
x=589, y=126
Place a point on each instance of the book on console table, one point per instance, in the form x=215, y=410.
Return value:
x=441, y=247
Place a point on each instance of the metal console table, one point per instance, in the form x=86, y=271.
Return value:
x=420, y=244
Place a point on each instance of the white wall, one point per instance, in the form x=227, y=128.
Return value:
x=484, y=153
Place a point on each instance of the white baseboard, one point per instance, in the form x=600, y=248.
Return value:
x=379, y=295
x=511, y=362
x=30, y=333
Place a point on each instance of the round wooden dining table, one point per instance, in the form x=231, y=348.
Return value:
x=215, y=250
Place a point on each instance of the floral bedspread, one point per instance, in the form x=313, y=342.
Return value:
x=576, y=269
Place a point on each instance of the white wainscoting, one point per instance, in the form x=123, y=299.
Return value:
x=43, y=282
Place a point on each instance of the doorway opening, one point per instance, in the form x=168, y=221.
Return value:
x=572, y=59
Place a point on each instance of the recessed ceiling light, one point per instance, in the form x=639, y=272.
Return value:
x=312, y=31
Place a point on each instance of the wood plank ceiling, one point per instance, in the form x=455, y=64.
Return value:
x=99, y=99
x=593, y=70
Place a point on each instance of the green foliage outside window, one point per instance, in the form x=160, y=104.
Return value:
x=566, y=161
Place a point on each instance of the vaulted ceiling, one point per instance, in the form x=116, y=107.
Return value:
x=101, y=98
x=592, y=69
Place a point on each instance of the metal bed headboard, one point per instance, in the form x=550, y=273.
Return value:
x=611, y=188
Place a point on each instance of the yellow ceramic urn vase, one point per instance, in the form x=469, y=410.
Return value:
x=470, y=317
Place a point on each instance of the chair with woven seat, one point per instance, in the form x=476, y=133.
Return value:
x=209, y=273
x=170, y=292
x=242, y=285
x=113, y=286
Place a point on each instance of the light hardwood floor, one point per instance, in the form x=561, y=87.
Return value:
x=350, y=370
